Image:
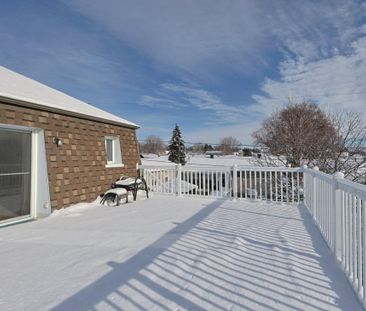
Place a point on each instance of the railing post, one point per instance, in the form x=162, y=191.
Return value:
x=304, y=184
x=179, y=180
x=337, y=205
x=142, y=171
x=235, y=182
x=314, y=205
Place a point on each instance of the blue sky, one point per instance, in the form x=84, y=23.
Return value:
x=216, y=68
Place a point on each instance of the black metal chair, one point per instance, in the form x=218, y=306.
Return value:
x=132, y=185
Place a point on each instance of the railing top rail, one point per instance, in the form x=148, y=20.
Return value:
x=353, y=184
x=343, y=184
x=352, y=188
x=319, y=174
x=222, y=167
x=188, y=167
x=269, y=169
x=167, y=167
x=207, y=167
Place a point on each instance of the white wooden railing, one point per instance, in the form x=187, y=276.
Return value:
x=189, y=180
x=338, y=206
x=272, y=184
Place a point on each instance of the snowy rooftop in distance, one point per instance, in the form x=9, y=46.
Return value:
x=169, y=253
x=19, y=87
x=227, y=160
x=153, y=159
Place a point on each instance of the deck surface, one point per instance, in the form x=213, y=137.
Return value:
x=168, y=253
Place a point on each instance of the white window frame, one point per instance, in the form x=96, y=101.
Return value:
x=116, y=152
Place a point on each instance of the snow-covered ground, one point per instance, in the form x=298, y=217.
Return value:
x=168, y=253
x=228, y=160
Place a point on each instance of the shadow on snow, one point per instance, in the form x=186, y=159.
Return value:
x=263, y=257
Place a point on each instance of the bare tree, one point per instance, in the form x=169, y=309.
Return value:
x=198, y=148
x=229, y=144
x=153, y=144
x=301, y=133
x=350, y=147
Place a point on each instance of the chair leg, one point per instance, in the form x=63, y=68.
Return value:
x=134, y=191
x=145, y=185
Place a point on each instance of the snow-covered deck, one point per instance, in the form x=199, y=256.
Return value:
x=170, y=253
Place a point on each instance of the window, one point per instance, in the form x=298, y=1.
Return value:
x=109, y=147
x=24, y=191
x=113, y=152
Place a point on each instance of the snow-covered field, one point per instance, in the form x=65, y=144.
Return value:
x=168, y=253
x=228, y=160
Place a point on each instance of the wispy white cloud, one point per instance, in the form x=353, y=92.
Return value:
x=198, y=37
x=160, y=103
x=179, y=96
x=204, y=37
x=313, y=30
x=336, y=83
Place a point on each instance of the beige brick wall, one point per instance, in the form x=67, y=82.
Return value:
x=76, y=170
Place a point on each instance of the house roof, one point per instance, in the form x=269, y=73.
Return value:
x=214, y=152
x=27, y=92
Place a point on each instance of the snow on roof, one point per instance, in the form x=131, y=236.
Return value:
x=20, y=88
x=214, y=152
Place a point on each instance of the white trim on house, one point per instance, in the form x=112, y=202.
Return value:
x=41, y=201
x=15, y=220
x=116, y=152
x=114, y=165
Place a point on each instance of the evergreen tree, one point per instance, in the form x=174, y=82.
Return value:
x=177, y=150
x=207, y=147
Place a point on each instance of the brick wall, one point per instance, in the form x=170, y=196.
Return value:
x=76, y=170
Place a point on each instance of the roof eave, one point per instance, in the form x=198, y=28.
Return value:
x=29, y=104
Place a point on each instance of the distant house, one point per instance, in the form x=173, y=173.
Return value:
x=214, y=153
x=56, y=150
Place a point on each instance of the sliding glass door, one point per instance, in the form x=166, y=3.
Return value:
x=15, y=173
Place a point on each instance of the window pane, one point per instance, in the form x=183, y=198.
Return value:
x=14, y=196
x=15, y=173
x=15, y=151
x=109, y=150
